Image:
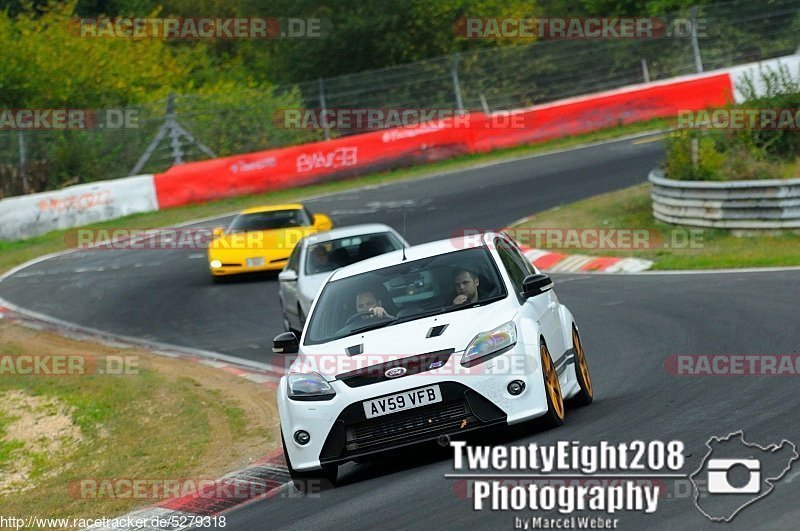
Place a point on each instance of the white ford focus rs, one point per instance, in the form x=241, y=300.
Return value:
x=422, y=344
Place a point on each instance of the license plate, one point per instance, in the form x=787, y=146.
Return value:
x=255, y=262
x=402, y=401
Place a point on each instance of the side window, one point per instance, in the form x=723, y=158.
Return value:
x=294, y=259
x=393, y=241
x=309, y=217
x=515, y=270
x=523, y=260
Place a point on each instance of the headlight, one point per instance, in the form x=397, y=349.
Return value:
x=215, y=264
x=489, y=344
x=308, y=386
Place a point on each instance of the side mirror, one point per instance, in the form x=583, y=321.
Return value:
x=217, y=232
x=534, y=285
x=323, y=222
x=289, y=275
x=286, y=343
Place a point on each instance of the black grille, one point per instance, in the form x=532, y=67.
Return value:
x=413, y=365
x=425, y=421
x=461, y=410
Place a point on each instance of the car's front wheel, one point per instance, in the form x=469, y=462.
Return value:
x=552, y=390
x=311, y=481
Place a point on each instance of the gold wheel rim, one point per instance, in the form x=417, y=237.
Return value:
x=582, y=365
x=551, y=383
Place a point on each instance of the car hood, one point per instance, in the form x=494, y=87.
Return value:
x=401, y=341
x=311, y=284
x=282, y=240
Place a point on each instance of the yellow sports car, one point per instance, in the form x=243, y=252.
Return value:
x=261, y=239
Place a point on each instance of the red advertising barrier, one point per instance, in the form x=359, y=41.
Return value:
x=625, y=106
x=293, y=166
x=358, y=154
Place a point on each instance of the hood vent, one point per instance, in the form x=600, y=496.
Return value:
x=355, y=350
x=436, y=331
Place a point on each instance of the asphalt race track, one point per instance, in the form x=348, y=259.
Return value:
x=631, y=324
x=167, y=295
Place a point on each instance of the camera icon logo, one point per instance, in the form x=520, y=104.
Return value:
x=736, y=473
x=719, y=471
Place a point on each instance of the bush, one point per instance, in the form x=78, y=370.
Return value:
x=743, y=154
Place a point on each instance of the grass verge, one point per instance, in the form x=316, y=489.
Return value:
x=669, y=246
x=18, y=252
x=171, y=420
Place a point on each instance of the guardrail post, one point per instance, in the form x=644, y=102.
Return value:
x=645, y=71
x=323, y=107
x=484, y=104
x=456, y=84
x=174, y=133
x=698, y=61
x=23, y=163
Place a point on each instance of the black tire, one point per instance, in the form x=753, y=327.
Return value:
x=314, y=480
x=556, y=410
x=586, y=394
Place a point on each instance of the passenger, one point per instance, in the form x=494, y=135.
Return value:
x=466, y=284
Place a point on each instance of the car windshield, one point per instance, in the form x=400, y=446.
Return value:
x=406, y=291
x=324, y=257
x=275, y=219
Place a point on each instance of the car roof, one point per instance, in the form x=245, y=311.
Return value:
x=416, y=252
x=272, y=208
x=349, y=231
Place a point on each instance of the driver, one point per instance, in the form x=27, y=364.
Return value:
x=466, y=284
x=366, y=301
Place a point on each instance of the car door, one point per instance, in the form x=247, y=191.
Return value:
x=543, y=308
x=288, y=289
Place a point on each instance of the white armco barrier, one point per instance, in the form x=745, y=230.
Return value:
x=29, y=215
x=753, y=71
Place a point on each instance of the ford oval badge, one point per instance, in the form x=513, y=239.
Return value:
x=395, y=372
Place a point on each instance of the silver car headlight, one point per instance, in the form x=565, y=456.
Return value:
x=489, y=344
x=308, y=386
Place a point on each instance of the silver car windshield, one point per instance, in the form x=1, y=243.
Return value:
x=324, y=257
x=404, y=292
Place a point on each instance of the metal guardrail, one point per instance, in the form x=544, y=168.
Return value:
x=767, y=204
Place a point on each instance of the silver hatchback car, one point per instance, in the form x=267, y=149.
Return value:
x=315, y=257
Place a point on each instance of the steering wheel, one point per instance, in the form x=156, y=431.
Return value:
x=361, y=317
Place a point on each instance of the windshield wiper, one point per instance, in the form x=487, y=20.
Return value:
x=372, y=326
x=420, y=315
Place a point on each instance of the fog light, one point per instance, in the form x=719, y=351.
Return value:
x=516, y=387
x=302, y=437
x=215, y=264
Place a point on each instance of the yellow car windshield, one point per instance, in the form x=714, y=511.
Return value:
x=276, y=219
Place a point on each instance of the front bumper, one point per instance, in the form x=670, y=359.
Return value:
x=471, y=399
x=241, y=269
